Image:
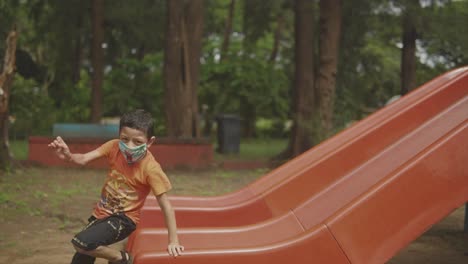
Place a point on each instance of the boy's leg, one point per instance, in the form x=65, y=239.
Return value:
x=79, y=258
x=104, y=252
x=93, y=240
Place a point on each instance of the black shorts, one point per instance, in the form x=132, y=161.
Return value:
x=103, y=232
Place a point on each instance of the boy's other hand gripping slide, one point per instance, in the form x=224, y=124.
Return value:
x=175, y=249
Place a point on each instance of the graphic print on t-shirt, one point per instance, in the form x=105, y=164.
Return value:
x=117, y=194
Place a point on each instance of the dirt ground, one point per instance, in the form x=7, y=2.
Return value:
x=42, y=208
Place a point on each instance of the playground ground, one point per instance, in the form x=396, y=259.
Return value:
x=41, y=209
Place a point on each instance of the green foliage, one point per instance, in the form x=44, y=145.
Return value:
x=445, y=44
x=216, y=14
x=269, y=128
x=365, y=43
x=258, y=18
x=7, y=11
x=133, y=83
x=134, y=27
x=60, y=40
x=370, y=53
x=57, y=36
x=31, y=109
x=244, y=81
x=376, y=79
x=76, y=106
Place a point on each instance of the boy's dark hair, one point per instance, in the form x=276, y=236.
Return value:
x=138, y=119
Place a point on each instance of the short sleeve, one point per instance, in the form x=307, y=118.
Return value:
x=105, y=148
x=158, y=180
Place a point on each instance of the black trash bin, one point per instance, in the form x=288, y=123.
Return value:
x=228, y=133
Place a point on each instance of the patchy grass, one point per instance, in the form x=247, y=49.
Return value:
x=43, y=191
x=255, y=149
x=38, y=203
x=59, y=192
x=19, y=148
x=211, y=182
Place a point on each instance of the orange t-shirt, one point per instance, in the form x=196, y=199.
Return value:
x=127, y=185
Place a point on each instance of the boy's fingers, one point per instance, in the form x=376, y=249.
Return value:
x=179, y=250
x=174, y=251
x=53, y=145
x=59, y=141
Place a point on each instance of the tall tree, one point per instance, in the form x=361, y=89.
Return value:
x=330, y=31
x=6, y=80
x=77, y=50
x=303, y=88
x=228, y=30
x=194, y=21
x=411, y=9
x=180, y=68
x=97, y=59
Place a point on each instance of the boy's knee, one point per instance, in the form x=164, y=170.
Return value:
x=79, y=250
x=83, y=247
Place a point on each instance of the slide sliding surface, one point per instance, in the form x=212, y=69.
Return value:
x=364, y=215
x=292, y=183
x=393, y=213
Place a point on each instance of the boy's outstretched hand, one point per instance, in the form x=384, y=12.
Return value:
x=61, y=148
x=175, y=249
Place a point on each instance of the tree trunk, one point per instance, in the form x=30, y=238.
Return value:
x=303, y=90
x=330, y=31
x=6, y=80
x=408, y=52
x=78, y=49
x=177, y=90
x=194, y=21
x=227, y=30
x=248, y=115
x=97, y=59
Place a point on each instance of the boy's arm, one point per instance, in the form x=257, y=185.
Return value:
x=174, y=248
x=63, y=152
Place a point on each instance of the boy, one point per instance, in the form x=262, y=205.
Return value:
x=133, y=173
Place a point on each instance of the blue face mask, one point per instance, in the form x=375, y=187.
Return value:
x=133, y=155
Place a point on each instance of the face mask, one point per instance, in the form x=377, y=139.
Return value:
x=132, y=155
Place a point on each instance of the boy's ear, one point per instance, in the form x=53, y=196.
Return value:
x=151, y=141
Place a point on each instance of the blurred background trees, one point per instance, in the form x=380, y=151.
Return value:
x=287, y=71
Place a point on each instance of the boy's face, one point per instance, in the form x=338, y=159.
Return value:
x=134, y=137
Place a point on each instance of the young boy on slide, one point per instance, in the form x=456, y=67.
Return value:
x=133, y=173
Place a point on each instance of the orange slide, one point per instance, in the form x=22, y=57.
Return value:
x=356, y=198
x=249, y=205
